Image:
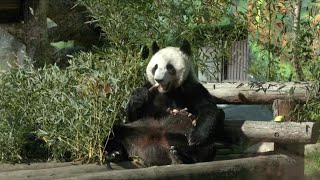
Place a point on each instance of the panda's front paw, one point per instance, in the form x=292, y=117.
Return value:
x=197, y=138
x=115, y=156
x=139, y=97
x=174, y=156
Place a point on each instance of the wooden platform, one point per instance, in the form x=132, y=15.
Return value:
x=261, y=167
x=52, y=170
x=286, y=162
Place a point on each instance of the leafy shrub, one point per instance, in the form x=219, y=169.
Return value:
x=275, y=70
x=310, y=111
x=135, y=23
x=69, y=112
x=167, y=21
x=66, y=114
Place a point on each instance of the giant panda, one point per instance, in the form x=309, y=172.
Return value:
x=153, y=132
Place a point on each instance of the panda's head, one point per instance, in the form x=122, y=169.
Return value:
x=170, y=67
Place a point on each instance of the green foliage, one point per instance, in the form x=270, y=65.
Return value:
x=166, y=21
x=135, y=23
x=309, y=59
x=71, y=111
x=272, y=30
x=275, y=69
x=312, y=164
x=66, y=114
x=310, y=111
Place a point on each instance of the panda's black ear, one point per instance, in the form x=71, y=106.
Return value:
x=186, y=47
x=144, y=52
x=155, y=47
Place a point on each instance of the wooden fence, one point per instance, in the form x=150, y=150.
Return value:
x=286, y=162
x=236, y=68
x=220, y=68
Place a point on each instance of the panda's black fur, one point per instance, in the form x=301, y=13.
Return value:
x=159, y=137
x=157, y=142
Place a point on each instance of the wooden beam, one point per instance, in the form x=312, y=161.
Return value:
x=262, y=168
x=259, y=92
x=278, y=132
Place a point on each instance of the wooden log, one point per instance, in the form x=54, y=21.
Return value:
x=269, y=131
x=35, y=166
x=262, y=168
x=53, y=172
x=260, y=93
x=296, y=152
x=284, y=108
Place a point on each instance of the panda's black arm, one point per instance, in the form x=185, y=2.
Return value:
x=137, y=101
x=208, y=117
x=206, y=124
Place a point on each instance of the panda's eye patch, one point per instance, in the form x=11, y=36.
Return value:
x=154, y=69
x=171, y=69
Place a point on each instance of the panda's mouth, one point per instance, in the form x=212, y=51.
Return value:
x=163, y=87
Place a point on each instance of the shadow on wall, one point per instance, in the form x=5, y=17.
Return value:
x=247, y=112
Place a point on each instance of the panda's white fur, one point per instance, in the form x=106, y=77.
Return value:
x=181, y=63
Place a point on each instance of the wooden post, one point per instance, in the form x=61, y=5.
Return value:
x=295, y=151
x=284, y=108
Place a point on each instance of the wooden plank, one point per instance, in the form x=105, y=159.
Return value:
x=235, y=61
x=34, y=166
x=239, y=68
x=259, y=92
x=262, y=168
x=53, y=172
x=230, y=64
x=238, y=60
x=264, y=131
x=248, y=58
x=244, y=59
x=231, y=169
x=7, y=168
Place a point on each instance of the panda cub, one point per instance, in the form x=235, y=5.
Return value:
x=153, y=132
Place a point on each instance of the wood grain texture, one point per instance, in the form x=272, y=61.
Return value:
x=261, y=167
x=258, y=92
x=265, y=131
